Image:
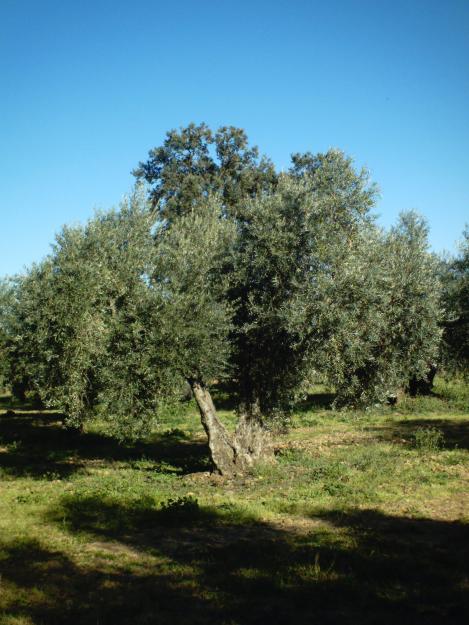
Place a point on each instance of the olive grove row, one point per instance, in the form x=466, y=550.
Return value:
x=218, y=267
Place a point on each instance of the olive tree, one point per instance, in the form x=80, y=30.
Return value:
x=292, y=240
x=455, y=346
x=178, y=330
x=270, y=242
x=7, y=296
x=64, y=305
x=229, y=270
x=312, y=282
x=383, y=322
x=20, y=307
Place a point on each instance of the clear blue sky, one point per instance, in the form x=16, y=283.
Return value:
x=89, y=86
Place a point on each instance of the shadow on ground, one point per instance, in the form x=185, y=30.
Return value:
x=315, y=401
x=211, y=566
x=36, y=444
x=455, y=433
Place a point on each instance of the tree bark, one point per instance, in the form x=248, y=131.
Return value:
x=220, y=443
x=229, y=454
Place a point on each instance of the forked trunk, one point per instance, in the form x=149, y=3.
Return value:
x=220, y=443
x=229, y=454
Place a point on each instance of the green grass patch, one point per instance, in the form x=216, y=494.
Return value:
x=360, y=518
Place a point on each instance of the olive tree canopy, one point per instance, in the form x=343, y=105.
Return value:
x=223, y=269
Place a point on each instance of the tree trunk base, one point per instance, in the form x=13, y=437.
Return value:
x=230, y=455
x=251, y=442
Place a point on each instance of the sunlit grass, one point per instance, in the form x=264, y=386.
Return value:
x=356, y=508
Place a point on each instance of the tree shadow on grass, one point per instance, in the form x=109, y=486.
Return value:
x=455, y=433
x=37, y=444
x=315, y=401
x=46, y=587
x=418, y=562
x=31, y=401
x=218, y=566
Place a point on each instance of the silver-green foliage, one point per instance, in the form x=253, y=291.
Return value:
x=325, y=292
x=65, y=305
x=271, y=286
x=385, y=314
x=456, y=300
x=291, y=244
x=176, y=327
x=7, y=297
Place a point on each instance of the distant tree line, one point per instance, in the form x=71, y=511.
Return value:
x=218, y=267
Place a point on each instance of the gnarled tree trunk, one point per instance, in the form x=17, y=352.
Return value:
x=222, y=449
x=229, y=454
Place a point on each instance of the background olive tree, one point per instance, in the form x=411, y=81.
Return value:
x=385, y=323
x=7, y=296
x=60, y=323
x=455, y=348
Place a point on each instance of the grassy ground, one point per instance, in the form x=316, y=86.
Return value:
x=362, y=518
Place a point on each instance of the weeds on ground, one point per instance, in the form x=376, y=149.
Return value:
x=428, y=439
x=370, y=507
